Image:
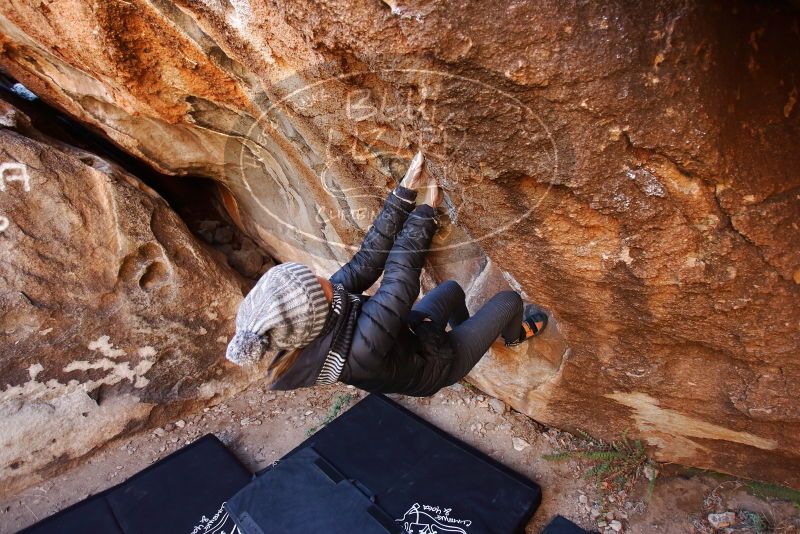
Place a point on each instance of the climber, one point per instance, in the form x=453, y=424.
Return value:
x=319, y=331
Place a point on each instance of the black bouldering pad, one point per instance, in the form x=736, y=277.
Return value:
x=305, y=493
x=90, y=515
x=183, y=492
x=562, y=525
x=421, y=476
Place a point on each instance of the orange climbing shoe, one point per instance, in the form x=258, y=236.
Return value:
x=533, y=323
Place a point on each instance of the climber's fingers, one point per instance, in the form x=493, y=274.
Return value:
x=432, y=192
x=414, y=175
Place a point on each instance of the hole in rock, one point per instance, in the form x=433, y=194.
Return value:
x=198, y=200
x=154, y=275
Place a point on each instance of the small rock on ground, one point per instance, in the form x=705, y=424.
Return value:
x=519, y=444
x=497, y=405
x=722, y=520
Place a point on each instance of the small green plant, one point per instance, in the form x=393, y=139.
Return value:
x=758, y=522
x=614, y=466
x=339, y=402
x=762, y=490
x=765, y=490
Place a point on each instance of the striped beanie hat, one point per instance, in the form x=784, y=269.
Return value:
x=286, y=309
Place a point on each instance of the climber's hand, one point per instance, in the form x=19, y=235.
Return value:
x=414, y=178
x=432, y=193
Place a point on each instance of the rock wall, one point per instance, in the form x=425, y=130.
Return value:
x=631, y=168
x=113, y=318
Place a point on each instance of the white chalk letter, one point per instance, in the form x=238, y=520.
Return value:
x=21, y=175
x=362, y=109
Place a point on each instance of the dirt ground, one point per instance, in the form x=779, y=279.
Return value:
x=261, y=426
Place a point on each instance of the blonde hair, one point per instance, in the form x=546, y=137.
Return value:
x=280, y=365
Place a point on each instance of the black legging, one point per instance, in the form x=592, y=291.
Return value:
x=472, y=336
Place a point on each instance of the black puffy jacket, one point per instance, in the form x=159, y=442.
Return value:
x=392, y=351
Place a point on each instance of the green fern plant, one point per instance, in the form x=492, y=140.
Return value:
x=613, y=466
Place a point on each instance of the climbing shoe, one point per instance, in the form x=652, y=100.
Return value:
x=533, y=322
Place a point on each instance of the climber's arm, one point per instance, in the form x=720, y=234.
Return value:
x=365, y=268
x=383, y=315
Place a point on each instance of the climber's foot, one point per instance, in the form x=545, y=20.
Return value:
x=533, y=323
